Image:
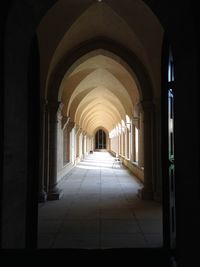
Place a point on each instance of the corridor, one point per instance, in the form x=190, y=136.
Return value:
x=99, y=209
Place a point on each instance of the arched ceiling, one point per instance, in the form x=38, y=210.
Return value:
x=130, y=23
x=99, y=90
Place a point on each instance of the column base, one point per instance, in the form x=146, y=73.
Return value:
x=55, y=194
x=144, y=194
x=42, y=197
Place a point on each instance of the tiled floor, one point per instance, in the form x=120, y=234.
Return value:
x=100, y=209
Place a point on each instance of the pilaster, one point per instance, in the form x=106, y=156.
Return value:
x=54, y=192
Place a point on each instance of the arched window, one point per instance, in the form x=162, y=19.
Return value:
x=100, y=140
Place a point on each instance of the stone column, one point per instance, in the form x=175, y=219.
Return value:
x=120, y=138
x=65, y=121
x=132, y=157
x=135, y=123
x=77, y=132
x=42, y=195
x=70, y=126
x=141, y=141
x=125, y=143
x=66, y=145
x=80, y=143
x=84, y=134
x=76, y=128
x=46, y=150
x=147, y=191
x=119, y=144
x=54, y=192
x=116, y=143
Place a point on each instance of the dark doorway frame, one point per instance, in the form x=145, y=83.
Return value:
x=100, y=139
x=183, y=184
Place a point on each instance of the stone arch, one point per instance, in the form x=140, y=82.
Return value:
x=101, y=127
x=92, y=54
x=144, y=82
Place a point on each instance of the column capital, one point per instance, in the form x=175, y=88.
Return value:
x=136, y=121
x=77, y=128
x=70, y=125
x=84, y=133
x=79, y=131
x=65, y=121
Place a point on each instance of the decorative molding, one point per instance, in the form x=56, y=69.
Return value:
x=70, y=125
x=136, y=122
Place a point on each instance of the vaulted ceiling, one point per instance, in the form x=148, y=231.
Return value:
x=99, y=90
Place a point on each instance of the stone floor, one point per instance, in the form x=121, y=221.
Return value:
x=100, y=209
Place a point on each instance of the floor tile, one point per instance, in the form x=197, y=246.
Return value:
x=83, y=241
x=154, y=240
x=119, y=226
x=45, y=240
x=49, y=226
x=136, y=240
x=149, y=226
x=100, y=208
